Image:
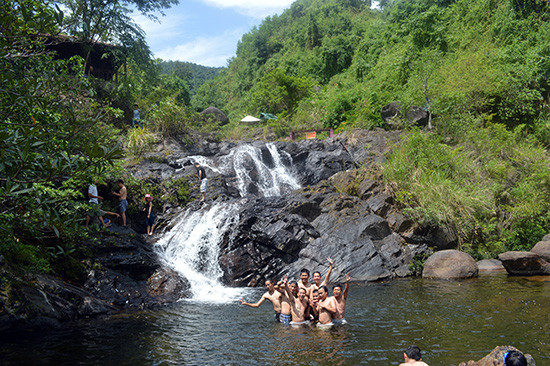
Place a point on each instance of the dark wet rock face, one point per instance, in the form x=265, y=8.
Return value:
x=524, y=264
x=281, y=236
x=127, y=275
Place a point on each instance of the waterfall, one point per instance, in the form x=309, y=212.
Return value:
x=271, y=176
x=191, y=247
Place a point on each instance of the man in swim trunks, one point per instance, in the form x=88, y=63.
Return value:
x=122, y=201
x=298, y=305
x=201, y=174
x=286, y=313
x=304, y=282
x=326, y=307
x=340, y=300
x=413, y=357
x=271, y=295
x=317, y=276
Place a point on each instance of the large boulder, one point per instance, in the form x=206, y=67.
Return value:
x=219, y=115
x=390, y=111
x=450, y=264
x=524, y=264
x=490, y=265
x=495, y=358
x=417, y=116
x=542, y=248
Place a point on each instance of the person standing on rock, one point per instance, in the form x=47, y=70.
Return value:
x=150, y=220
x=202, y=179
x=122, y=201
x=413, y=357
x=340, y=300
x=317, y=276
x=94, y=198
x=136, y=120
x=271, y=295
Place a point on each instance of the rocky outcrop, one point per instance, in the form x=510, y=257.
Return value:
x=490, y=265
x=495, y=357
x=524, y=263
x=417, y=116
x=282, y=235
x=542, y=248
x=125, y=274
x=343, y=212
x=450, y=264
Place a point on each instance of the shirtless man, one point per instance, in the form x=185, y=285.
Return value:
x=340, y=300
x=299, y=305
x=273, y=296
x=304, y=282
x=122, y=201
x=317, y=277
x=326, y=307
x=286, y=313
x=413, y=357
x=314, y=313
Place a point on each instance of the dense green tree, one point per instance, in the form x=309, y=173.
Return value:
x=52, y=134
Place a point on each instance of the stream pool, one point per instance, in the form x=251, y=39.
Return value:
x=451, y=321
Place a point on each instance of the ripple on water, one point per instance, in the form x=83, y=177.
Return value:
x=451, y=321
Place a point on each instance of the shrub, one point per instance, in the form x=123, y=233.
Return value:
x=140, y=140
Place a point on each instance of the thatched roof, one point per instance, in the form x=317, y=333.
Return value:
x=220, y=116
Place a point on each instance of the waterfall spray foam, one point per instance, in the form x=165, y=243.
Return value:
x=191, y=247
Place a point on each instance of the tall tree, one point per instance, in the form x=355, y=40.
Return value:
x=109, y=20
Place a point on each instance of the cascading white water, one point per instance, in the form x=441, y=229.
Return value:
x=191, y=247
x=271, y=181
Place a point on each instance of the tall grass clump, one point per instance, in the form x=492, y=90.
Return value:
x=140, y=140
x=492, y=187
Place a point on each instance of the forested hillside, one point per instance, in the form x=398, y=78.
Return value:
x=481, y=67
x=194, y=75
x=338, y=61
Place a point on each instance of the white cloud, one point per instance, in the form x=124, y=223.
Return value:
x=207, y=51
x=168, y=27
x=253, y=8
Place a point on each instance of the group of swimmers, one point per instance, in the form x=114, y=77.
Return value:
x=305, y=302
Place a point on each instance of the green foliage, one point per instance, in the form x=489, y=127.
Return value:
x=487, y=60
x=53, y=132
x=278, y=93
x=489, y=188
x=140, y=141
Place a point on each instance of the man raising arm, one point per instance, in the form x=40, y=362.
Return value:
x=340, y=300
x=299, y=305
x=273, y=296
x=317, y=276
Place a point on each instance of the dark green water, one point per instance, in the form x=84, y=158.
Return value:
x=450, y=321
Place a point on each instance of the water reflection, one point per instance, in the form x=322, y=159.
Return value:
x=451, y=321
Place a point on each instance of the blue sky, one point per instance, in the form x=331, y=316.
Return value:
x=206, y=32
